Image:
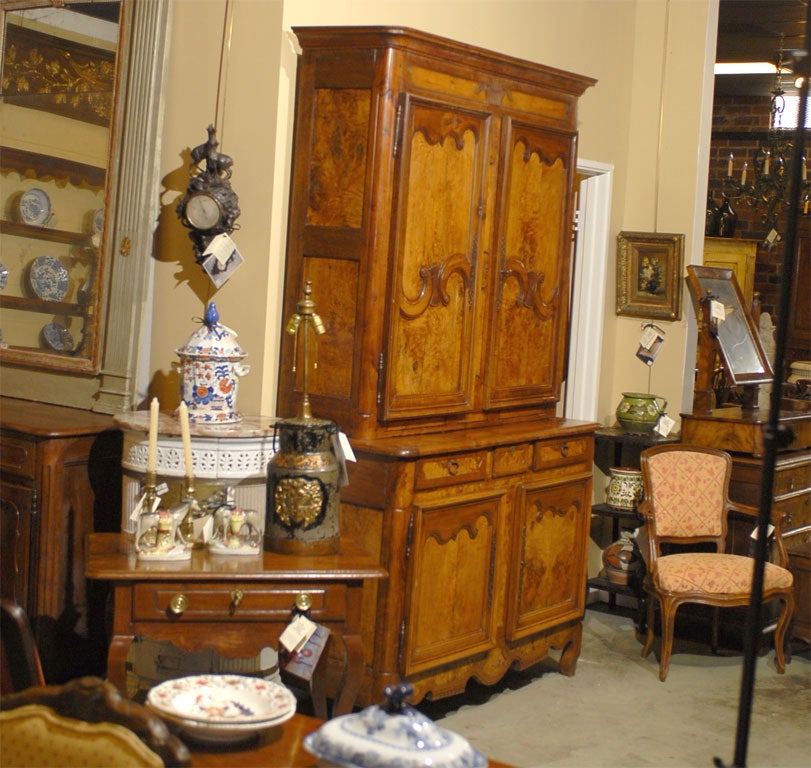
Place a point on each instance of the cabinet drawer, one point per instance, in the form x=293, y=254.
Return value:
x=209, y=602
x=18, y=455
x=563, y=452
x=792, y=479
x=449, y=470
x=512, y=459
x=795, y=511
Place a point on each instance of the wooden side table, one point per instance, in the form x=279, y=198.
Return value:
x=234, y=605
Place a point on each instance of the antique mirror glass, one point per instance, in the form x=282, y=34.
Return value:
x=79, y=96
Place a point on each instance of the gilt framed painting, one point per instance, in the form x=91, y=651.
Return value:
x=649, y=266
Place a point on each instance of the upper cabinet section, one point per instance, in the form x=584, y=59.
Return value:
x=82, y=92
x=59, y=86
x=431, y=210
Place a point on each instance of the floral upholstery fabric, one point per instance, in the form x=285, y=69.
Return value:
x=34, y=736
x=687, y=490
x=710, y=572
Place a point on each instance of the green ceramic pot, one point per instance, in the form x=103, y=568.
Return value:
x=638, y=412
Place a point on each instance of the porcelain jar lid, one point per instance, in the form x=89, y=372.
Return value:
x=394, y=734
x=212, y=340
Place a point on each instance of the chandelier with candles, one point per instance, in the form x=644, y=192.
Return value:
x=766, y=182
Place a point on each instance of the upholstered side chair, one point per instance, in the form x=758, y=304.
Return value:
x=686, y=502
x=86, y=723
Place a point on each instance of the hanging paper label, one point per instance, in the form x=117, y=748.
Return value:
x=665, y=425
x=717, y=311
x=297, y=633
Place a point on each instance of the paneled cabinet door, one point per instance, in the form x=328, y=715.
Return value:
x=529, y=328
x=436, y=264
x=17, y=521
x=548, y=579
x=452, y=581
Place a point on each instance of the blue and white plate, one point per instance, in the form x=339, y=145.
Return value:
x=35, y=207
x=98, y=221
x=49, y=279
x=57, y=337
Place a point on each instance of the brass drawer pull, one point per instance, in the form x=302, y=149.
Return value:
x=564, y=449
x=304, y=601
x=453, y=466
x=236, y=599
x=178, y=604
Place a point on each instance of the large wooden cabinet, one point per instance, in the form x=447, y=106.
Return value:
x=431, y=210
x=59, y=480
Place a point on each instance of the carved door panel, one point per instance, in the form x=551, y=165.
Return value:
x=548, y=582
x=529, y=327
x=451, y=584
x=16, y=530
x=431, y=357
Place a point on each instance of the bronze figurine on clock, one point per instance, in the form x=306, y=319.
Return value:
x=210, y=206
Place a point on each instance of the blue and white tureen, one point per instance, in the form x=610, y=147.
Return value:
x=392, y=736
x=210, y=368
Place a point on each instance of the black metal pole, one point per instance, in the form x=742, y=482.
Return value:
x=774, y=436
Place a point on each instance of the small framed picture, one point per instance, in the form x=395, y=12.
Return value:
x=649, y=266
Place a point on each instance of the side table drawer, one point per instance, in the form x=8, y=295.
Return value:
x=210, y=602
x=18, y=456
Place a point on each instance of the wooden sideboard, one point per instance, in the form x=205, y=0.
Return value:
x=740, y=433
x=55, y=464
x=431, y=210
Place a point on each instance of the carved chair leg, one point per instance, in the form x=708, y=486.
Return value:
x=668, y=625
x=649, y=637
x=786, y=614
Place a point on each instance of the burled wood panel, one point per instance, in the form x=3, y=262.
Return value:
x=547, y=584
x=451, y=582
x=335, y=290
x=438, y=230
x=532, y=290
x=338, y=162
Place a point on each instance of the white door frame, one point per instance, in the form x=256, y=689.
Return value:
x=588, y=293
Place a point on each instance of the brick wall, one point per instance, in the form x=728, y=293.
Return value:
x=736, y=115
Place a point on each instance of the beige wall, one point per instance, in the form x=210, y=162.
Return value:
x=648, y=116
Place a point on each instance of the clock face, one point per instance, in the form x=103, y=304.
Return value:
x=203, y=211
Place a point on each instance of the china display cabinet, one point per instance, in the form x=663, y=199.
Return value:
x=431, y=212
x=81, y=90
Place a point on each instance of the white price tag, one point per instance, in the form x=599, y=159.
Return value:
x=221, y=248
x=349, y=454
x=649, y=337
x=717, y=311
x=139, y=507
x=297, y=633
x=665, y=425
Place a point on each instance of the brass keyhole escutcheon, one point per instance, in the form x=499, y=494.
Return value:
x=304, y=602
x=236, y=598
x=178, y=604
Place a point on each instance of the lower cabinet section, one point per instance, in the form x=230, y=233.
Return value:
x=484, y=536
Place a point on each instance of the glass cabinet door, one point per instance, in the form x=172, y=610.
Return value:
x=59, y=86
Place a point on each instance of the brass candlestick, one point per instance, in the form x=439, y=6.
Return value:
x=150, y=485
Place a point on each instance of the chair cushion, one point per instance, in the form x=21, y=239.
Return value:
x=33, y=735
x=715, y=573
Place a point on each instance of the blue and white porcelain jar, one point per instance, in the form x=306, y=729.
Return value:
x=210, y=368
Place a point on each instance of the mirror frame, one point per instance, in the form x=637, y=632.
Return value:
x=107, y=380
